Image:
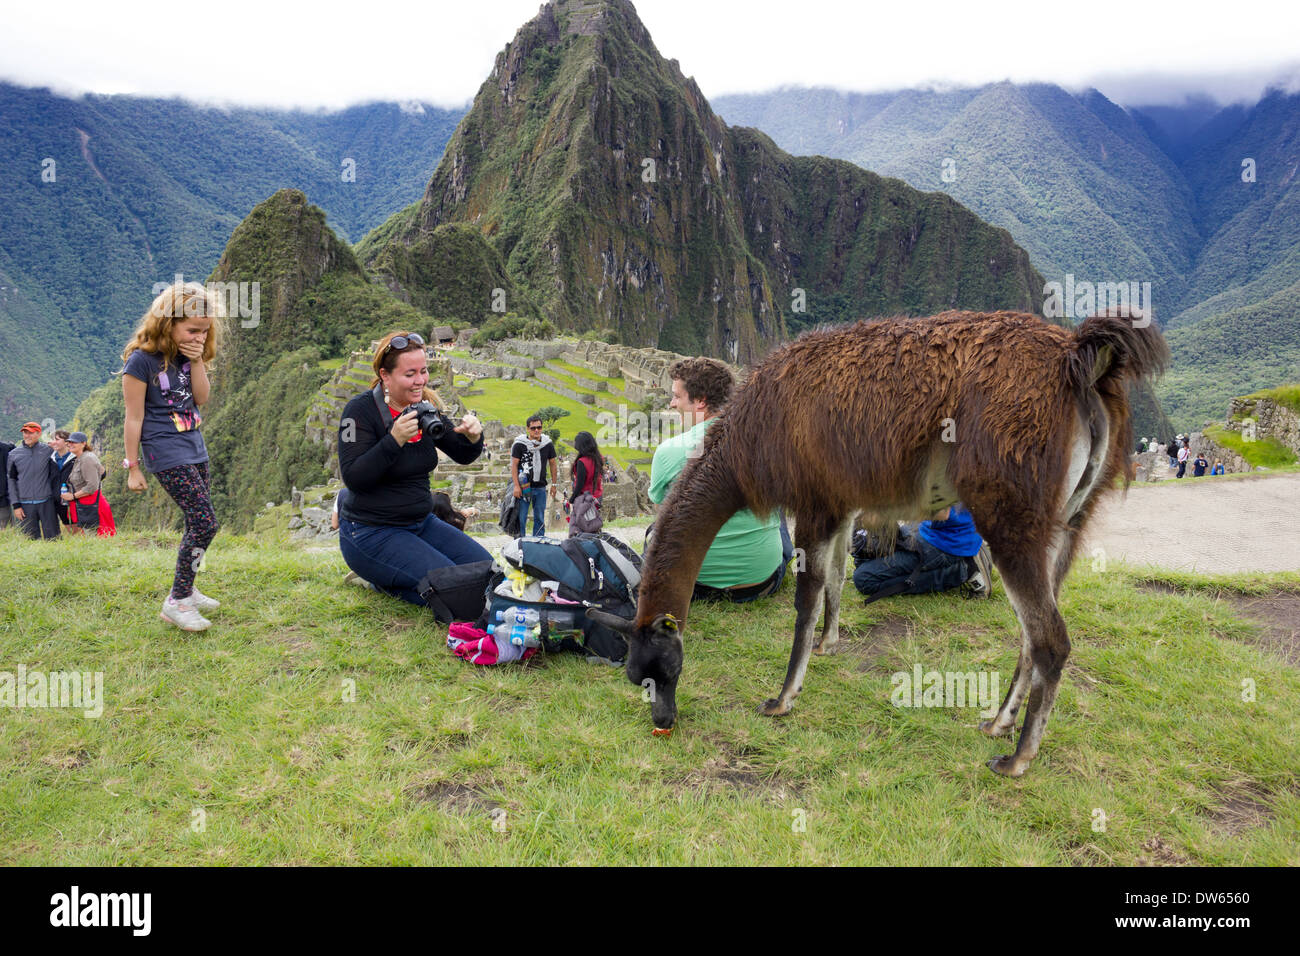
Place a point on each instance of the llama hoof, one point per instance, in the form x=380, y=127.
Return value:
x=773, y=708
x=990, y=729
x=1005, y=766
x=822, y=650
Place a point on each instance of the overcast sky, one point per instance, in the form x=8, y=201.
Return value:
x=256, y=52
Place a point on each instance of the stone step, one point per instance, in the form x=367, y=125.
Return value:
x=591, y=384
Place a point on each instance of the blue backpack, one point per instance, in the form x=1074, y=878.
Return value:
x=594, y=570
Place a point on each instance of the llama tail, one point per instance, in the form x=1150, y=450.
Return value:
x=1111, y=355
x=1110, y=349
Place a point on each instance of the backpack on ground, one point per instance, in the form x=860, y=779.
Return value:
x=584, y=515
x=591, y=570
x=455, y=593
x=509, y=521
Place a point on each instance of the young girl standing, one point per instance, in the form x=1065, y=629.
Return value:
x=165, y=381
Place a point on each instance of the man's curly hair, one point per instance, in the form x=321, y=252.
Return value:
x=705, y=378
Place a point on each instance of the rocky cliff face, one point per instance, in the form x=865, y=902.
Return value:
x=615, y=197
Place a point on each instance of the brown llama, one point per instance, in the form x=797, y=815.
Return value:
x=1024, y=422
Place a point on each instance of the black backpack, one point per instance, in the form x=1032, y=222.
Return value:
x=509, y=521
x=594, y=570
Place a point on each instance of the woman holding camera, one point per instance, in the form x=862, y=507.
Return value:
x=388, y=532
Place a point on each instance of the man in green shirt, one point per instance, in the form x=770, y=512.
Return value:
x=748, y=557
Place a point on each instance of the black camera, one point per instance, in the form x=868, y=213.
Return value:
x=431, y=421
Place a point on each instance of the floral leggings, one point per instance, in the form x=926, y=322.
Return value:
x=188, y=486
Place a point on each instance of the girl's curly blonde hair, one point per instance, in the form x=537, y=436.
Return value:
x=178, y=302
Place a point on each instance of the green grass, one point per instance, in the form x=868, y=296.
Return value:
x=1262, y=453
x=246, y=728
x=331, y=364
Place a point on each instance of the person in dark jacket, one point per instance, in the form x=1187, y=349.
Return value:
x=63, y=462
x=6, y=512
x=29, y=472
x=1199, y=466
x=388, y=532
x=944, y=552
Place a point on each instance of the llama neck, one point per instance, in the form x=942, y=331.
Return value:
x=687, y=523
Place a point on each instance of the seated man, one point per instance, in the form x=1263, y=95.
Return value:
x=944, y=552
x=748, y=557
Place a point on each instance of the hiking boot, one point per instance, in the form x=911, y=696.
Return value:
x=980, y=584
x=184, y=615
x=202, y=602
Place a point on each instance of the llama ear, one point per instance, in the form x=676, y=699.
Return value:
x=1105, y=358
x=666, y=622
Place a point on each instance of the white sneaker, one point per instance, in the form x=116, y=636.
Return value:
x=184, y=615
x=202, y=602
x=353, y=578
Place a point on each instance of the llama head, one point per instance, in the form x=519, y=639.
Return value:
x=654, y=660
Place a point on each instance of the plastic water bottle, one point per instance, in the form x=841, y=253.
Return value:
x=560, y=622
x=520, y=635
x=526, y=616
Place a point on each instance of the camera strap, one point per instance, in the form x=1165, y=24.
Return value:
x=385, y=416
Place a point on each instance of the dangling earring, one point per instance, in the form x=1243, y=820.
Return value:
x=386, y=401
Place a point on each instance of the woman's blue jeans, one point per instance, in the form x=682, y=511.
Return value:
x=395, y=557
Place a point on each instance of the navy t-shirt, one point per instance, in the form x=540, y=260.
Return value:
x=955, y=536
x=169, y=434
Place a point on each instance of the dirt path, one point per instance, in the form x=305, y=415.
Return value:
x=1210, y=526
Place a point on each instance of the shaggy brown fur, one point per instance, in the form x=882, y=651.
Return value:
x=1024, y=422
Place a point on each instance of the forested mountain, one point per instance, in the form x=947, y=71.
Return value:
x=1156, y=194
x=104, y=196
x=614, y=196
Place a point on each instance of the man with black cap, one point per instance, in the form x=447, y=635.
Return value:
x=29, y=472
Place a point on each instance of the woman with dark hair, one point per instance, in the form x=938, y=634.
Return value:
x=444, y=509
x=388, y=532
x=588, y=478
x=589, y=468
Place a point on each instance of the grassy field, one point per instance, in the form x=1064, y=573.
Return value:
x=317, y=723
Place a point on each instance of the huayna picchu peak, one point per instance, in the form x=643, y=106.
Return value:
x=612, y=196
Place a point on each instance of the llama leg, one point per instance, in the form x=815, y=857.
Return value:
x=1048, y=648
x=1004, y=721
x=1062, y=552
x=837, y=562
x=809, y=595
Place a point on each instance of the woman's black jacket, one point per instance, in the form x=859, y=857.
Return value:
x=390, y=482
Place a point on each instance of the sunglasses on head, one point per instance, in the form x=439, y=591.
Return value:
x=401, y=342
